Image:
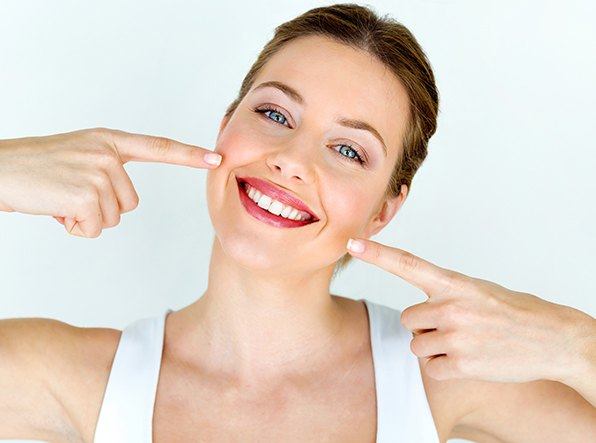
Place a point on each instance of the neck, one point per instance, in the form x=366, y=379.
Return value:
x=250, y=326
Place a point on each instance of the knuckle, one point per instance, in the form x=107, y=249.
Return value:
x=407, y=261
x=453, y=281
x=456, y=283
x=489, y=297
x=97, y=131
x=431, y=368
x=450, y=311
x=130, y=203
x=413, y=345
x=95, y=229
x=107, y=158
x=161, y=144
x=85, y=197
x=376, y=252
x=453, y=341
x=134, y=202
x=113, y=221
x=100, y=134
x=100, y=180
x=473, y=284
x=404, y=318
x=460, y=365
x=451, y=277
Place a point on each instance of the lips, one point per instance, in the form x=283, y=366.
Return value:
x=276, y=193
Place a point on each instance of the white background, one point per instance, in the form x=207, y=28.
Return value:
x=505, y=194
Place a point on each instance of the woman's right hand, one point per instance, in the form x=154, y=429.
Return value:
x=78, y=177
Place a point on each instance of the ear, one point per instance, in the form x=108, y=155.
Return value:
x=385, y=212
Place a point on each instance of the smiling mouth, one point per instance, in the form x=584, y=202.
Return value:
x=264, y=215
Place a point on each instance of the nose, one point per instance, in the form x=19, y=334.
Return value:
x=292, y=161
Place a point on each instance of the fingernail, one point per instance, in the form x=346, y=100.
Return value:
x=212, y=158
x=355, y=246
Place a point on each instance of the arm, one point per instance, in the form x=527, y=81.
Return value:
x=583, y=378
x=79, y=177
x=542, y=410
x=511, y=347
x=28, y=407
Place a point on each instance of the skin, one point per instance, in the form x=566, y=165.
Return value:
x=258, y=296
x=267, y=336
x=79, y=177
x=497, y=365
x=267, y=314
x=259, y=275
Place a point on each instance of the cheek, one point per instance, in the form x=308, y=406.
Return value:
x=348, y=205
x=239, y=144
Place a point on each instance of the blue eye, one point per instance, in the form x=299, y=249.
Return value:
x=274, y=111
x=356, y=157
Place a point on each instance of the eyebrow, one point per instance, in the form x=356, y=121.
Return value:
x=347, y=122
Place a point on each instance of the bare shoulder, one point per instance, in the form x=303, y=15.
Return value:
x=61, y=369
x=478, y=410
x=494, y=412
x=449, y=401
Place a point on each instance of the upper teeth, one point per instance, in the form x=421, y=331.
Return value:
x=274, y=206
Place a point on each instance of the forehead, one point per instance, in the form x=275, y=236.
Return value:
x=339, y=81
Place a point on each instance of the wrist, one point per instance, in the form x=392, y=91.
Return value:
x=3, y=206
x=579, y=369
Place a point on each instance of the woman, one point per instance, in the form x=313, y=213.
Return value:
x=321, y=145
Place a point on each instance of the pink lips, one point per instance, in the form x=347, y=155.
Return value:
x=276, y=193
x=265, y=216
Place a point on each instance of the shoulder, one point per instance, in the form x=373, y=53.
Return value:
x=448, y=400
x=70, y=364
x=386, y=322
x=59, y=347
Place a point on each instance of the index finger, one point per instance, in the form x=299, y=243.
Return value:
x=141, y=147
x=428, y=277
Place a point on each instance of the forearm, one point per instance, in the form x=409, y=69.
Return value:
x=581, y=374
x=3, y=207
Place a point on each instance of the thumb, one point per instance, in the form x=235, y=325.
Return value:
x=140, y=147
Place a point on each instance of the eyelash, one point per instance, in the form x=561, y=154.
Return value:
x=359, y=157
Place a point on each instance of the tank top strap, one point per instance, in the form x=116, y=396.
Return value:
x=403, y=411
x=126, y=412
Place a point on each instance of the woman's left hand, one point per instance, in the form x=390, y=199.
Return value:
x=476, y=329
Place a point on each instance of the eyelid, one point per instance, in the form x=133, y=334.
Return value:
x=356, y=147
x=277, y=109
x=262, y=108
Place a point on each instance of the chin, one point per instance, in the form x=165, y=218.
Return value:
x=252, y=244
x=253, y=254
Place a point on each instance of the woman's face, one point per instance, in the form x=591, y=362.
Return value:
x=299, y=146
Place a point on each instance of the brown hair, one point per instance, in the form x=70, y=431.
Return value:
x=392, y=44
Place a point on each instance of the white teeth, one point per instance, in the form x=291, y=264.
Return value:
x=294, y=213
x=286, y=211
x=264, y=202
x=274, y=206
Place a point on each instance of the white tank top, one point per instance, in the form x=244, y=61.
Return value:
x=403, y=412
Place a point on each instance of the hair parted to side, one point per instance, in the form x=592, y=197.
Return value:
x=392, y=44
